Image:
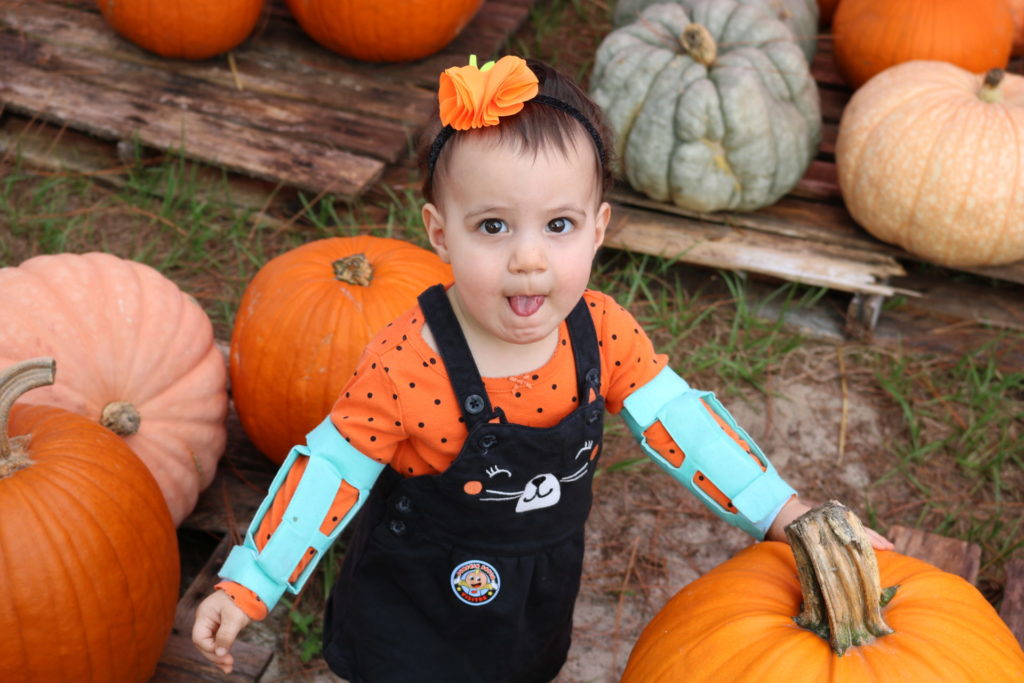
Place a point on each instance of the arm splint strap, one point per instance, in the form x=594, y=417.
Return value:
x=757, y=494
x=331, y=460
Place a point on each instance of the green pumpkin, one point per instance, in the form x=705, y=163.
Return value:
x=799, y=16
x=712, y=107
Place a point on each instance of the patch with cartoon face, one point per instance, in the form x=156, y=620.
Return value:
x=475, y=582
x=540, y=490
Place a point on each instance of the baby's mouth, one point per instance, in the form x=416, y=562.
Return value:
x=525, y=305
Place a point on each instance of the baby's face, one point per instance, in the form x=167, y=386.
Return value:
x=520, y=232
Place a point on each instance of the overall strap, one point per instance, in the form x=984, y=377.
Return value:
x=583, y=337
x=458, y=359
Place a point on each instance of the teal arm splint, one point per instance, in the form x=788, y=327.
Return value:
x=757, y=494
x=332, y=460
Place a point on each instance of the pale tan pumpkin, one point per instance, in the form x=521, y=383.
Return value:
x=136, y=354
x=932, y=159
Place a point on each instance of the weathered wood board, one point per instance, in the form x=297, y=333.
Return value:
x=1012, y=608
x=279, y=107
x=948, y=554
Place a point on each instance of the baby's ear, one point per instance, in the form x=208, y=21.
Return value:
x=434, y=225
x=604, y=215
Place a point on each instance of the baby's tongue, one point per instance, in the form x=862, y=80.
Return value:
x=525, y=305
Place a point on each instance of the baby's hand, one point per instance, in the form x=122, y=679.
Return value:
x=794, y=507
x=218, y=621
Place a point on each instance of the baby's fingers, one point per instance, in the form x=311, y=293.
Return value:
x=878, y=541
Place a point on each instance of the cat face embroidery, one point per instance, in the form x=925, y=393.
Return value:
x=540, y=490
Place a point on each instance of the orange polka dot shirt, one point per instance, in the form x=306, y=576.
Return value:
x=399, y=407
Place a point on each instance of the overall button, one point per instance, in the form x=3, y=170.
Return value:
x=397, y=527
x=593, y=416
x=487, y=441
x=404, y=505
x=593, y=377
x=474, y=403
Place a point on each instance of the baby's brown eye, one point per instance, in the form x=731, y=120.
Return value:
x=560, y=225
x=493, y=226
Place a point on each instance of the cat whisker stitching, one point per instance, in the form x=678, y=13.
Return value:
x=576, y=475
x=502, y=495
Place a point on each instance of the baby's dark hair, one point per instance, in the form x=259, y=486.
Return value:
x=537, y=125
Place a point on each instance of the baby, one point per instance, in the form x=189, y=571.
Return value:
x=469, y=434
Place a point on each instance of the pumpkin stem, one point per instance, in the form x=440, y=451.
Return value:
x=990, y=90
x=120, y=417
x=15, y=381
x=698, y=44
x=838, y=577
x=353, y=270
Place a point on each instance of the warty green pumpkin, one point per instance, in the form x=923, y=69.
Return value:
x=713, y=106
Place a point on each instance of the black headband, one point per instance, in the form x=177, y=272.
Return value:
x=553, y=102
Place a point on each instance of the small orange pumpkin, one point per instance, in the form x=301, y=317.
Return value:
x=188, y=29
x=871, y=35
x=376, y=31
x=303, y=323
x=137, y=355
x=89, y=554
x=765, y=616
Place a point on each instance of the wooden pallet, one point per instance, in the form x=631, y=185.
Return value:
x=807, y=237
x=279, y=107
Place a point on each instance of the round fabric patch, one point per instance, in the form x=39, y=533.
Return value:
x=475, y=582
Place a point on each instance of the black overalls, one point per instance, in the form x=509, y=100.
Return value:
x=471, y=575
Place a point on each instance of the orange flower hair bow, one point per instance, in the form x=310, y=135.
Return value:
x=472, y=97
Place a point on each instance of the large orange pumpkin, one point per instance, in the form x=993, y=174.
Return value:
x=376, y=31
x=871, y=35
x=191, y=29
x=763, y=616
x=137, y=355
x=931, y=157
x=88, y=554
x=303, y=323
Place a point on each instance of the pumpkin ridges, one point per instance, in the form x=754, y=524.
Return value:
x=119, y=482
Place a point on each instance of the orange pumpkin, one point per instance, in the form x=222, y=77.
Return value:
x=376, y=31
x=758, y=617
x=305, y=319
x=1017, y=10
x=137, y=355
x=871, y=35
x=89, y=554
x=931, y=157
x=183, y=28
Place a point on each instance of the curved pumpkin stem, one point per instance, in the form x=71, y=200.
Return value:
x=15, y=381
x=839, y=579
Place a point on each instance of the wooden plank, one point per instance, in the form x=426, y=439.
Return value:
x=181, y=662
x=279, y=72
x=948, y=554
x=729, y=247
x=1012, y=608
x=274, y=115
x=115, y=115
